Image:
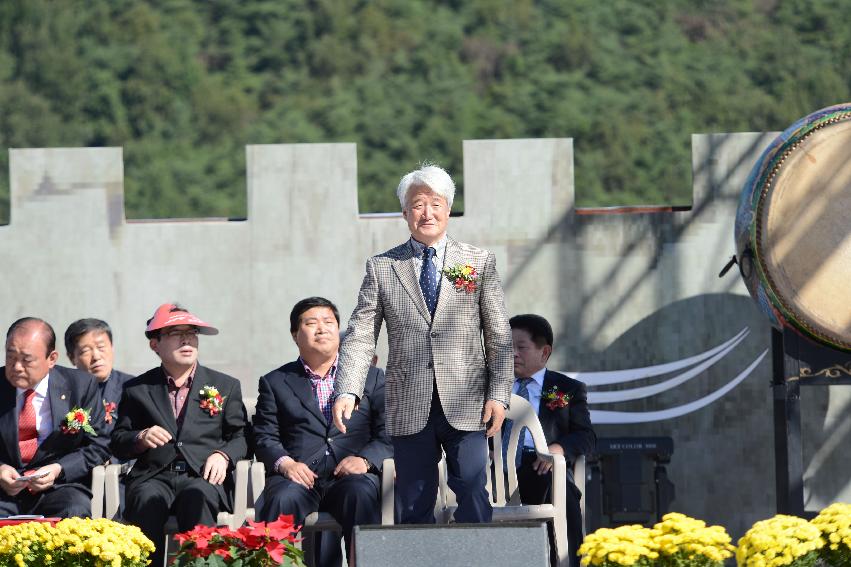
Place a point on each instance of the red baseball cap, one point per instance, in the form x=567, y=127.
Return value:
x=166, y=316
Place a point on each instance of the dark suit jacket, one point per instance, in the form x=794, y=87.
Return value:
x=569, y=426
x=77, y=453
x=110, y=392
x=288, y=421
x=145, y=403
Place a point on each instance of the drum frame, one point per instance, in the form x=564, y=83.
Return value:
x=764, y=179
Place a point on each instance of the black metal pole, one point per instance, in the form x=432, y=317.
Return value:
x=788, y=447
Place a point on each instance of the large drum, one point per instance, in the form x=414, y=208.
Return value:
x=793, y=228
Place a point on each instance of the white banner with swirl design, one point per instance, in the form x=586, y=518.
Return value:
x=693, y=367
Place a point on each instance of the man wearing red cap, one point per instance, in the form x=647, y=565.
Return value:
x=184, y=423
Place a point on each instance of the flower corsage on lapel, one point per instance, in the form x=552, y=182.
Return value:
x=211, y=400
x=463, y=276
x=109, y=411
x=77, y=420
x=556, y=399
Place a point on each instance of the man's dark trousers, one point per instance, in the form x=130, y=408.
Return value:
x=194, y=501
x=352, y=500
x=416, y=457
x=535, y=489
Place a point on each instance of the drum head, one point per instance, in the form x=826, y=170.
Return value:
x=803, y=233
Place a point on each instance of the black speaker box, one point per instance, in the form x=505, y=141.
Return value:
x=522, y=544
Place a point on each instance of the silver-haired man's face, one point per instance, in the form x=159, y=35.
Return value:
x=427, y=214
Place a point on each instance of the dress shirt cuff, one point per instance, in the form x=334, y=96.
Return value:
x=347, y=396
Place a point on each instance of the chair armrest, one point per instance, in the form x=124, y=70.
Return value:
x=388, y=493
x=97, y=491
x=112, y=492
x=240, y=493
x=559, y=487
x=258, y=481
x=579, y=481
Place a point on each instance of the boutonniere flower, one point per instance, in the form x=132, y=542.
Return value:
x=109, y=411
x=463, y=276
x=556, y=399
x=77, y=420
x=211, y=400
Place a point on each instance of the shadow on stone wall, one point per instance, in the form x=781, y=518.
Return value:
x=723, y=453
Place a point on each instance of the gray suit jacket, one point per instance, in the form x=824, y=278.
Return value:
x=466, y=349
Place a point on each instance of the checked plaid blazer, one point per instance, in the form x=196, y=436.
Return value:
x=466, y=349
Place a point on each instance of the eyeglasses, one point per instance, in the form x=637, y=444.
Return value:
x=187, y=334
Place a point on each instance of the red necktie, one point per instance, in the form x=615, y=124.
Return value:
x=27, y=433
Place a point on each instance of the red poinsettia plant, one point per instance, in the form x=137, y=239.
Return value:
x=259, y=544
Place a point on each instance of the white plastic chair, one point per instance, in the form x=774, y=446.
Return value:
x=506, y=505
x=98, y=488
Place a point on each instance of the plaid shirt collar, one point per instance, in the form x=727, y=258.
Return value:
x=314, y=376
x=169, y=380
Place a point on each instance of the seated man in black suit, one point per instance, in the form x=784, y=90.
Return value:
x=88, y=343
x=184, y=424
x=310, y=464
x=51, y=428
x=562, y=407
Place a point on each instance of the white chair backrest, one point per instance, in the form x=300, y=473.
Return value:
x=250, y=406
x=523, y=415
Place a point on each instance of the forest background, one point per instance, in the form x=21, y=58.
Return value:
x=184, y=85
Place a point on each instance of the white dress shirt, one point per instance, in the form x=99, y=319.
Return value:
x=41, y=405
x=534, y=388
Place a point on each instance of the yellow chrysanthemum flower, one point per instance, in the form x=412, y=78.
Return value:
x=834, y=522
x=90, y=542
x=779, y=541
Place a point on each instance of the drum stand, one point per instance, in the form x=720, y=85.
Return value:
x=797, y=362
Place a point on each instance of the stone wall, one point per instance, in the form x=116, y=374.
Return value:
x=623, y=291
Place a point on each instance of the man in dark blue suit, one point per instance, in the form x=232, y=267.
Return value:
x=88, y=344
x=51, y=427
x=562, y=408
x=310, y=464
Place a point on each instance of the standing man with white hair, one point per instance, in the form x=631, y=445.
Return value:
x=450, y=367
